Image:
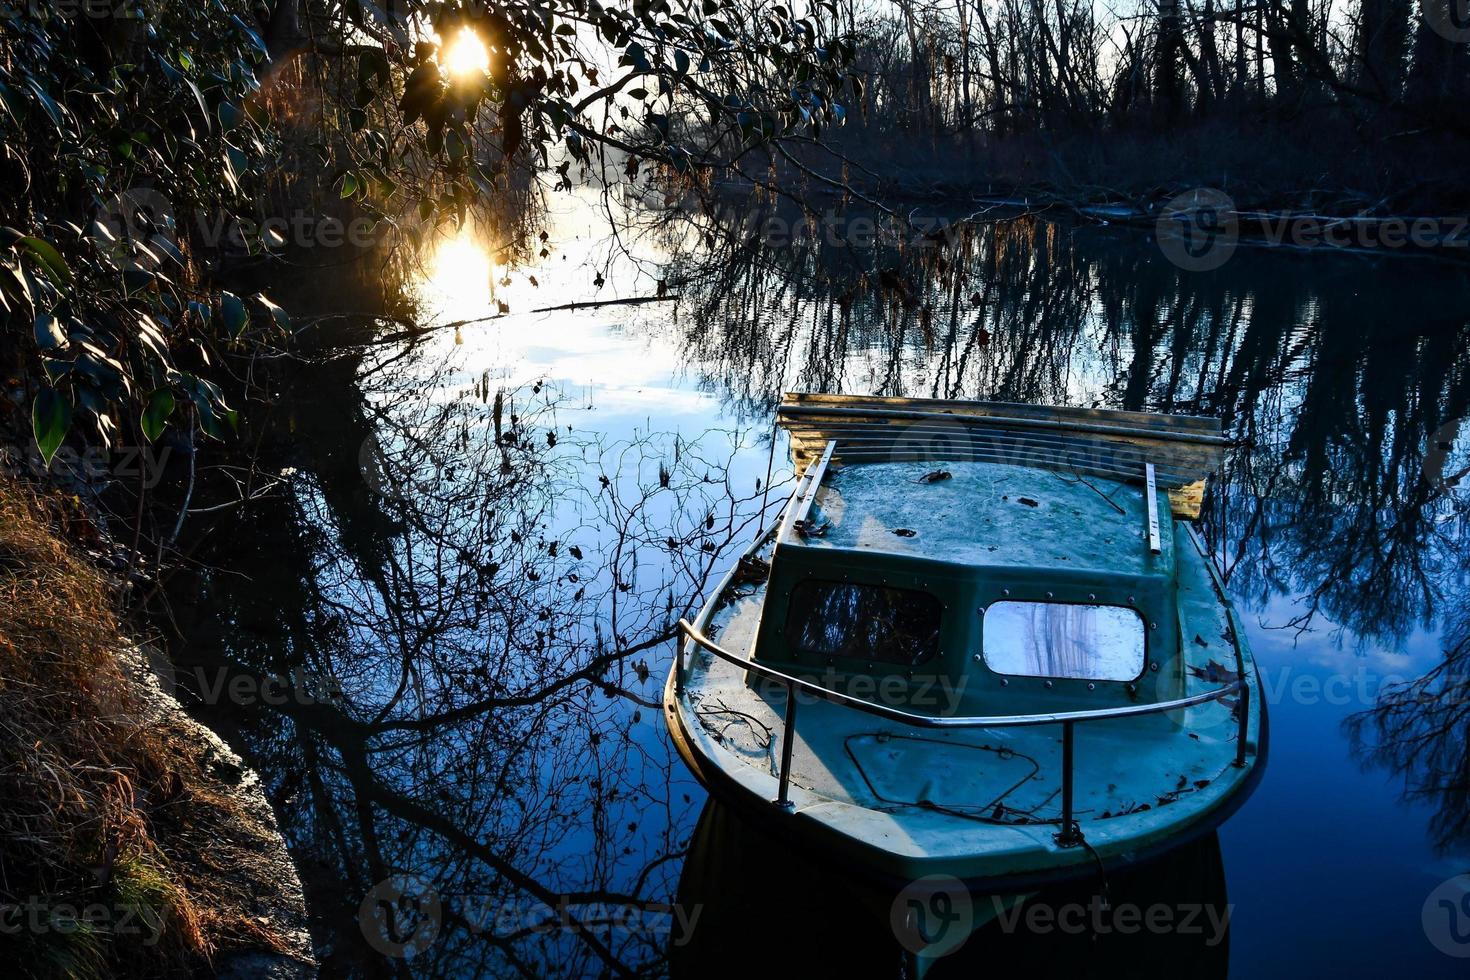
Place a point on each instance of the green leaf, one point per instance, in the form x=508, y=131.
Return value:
x=236, y=318
x=47, y=103
x=253, y=37
x=206, y=397
x=282, y=318
x=50, y=420
x=56, y=369
x=49, y=334
x=199, y=98
x=239, y=162
x=155, y=414
x=229, y=116
x=55, y=266
x=12, y=104
x=372, y=66
x=349, y=185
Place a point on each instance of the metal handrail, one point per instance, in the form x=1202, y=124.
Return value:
x=1069, y=835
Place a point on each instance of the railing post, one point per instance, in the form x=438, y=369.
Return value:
x=679, y=644
x=788, y=734
x=1244, y=707
x=1068, y=837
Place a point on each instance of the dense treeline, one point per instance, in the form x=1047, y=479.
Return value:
x=1018, y=65
x=1300, y=84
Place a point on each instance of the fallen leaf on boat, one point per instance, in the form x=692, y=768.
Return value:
x=752, y=569
x=1214, y=672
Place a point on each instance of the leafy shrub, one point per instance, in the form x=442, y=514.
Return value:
x=115, y=120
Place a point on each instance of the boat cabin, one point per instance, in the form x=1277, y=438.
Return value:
x=1000, y=579
x=1026, y=585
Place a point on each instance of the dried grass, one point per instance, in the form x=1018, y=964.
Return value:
x=107, y=812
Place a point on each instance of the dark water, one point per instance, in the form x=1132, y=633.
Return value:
x=483, y=539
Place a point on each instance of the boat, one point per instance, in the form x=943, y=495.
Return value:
x=983, y=642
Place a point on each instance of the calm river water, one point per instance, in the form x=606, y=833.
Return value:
x=485, y=534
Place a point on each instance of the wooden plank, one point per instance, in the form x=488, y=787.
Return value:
x=1184, y=450
x=806, y=493
x=1155, y=420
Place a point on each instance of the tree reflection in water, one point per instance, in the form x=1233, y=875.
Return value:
x=488, y=596
x=494, y=592
x=1420, y=729
x=1343, y=395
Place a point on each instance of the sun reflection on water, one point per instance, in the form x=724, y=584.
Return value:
x=459, y=279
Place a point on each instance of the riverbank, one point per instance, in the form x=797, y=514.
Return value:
x=138, y=843
x=1314, y=182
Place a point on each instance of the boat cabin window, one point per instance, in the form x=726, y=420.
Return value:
x=1056, y=639
x=868, y=622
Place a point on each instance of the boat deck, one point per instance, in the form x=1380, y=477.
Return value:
x=921, y=798
x=983, y=514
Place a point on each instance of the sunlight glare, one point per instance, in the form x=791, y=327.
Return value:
x=458, y=285
x=465, y=56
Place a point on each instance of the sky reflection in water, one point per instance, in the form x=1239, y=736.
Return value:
x=1347, y=571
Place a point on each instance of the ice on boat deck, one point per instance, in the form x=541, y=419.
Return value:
x=976, y=513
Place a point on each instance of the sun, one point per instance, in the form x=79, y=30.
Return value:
x=465, y=55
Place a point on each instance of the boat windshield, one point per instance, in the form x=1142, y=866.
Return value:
x=1055, y=639
x=868, y=622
